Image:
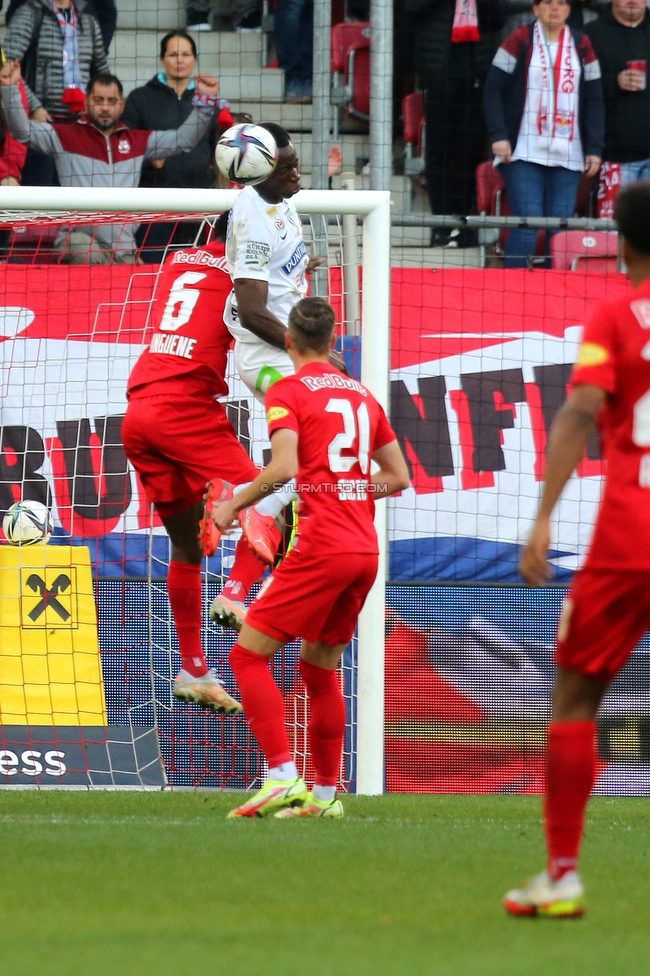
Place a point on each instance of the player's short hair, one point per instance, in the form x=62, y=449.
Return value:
x=106, y=79
x=281, y=136
x=311, y=324
x=632, y=214
x=184, y=36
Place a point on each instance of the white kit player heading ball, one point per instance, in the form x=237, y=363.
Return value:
x=268, y=262
x=264, y=244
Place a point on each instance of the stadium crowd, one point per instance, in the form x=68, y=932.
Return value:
x=489, y=70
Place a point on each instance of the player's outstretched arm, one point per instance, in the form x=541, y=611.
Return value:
x=281, y=468
x=393, y=474
x=570, y=431
x=251, y=295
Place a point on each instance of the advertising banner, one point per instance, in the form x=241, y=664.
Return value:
x=480, y=363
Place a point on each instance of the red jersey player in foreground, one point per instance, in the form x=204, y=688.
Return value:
x=325, y=428
x=178, y=437
x=608, y=608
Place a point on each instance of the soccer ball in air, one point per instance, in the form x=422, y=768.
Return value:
x=27, y=523
x=246, y=154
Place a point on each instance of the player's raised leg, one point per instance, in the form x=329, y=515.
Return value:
x=195, y=681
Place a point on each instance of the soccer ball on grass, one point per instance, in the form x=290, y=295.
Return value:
x=246, y=154
x=27, y=524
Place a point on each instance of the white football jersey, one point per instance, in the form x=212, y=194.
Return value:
x=265, y=242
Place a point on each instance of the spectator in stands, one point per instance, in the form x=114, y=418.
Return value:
x=105, y=12
x=12, y=160
x=453, y=44
x=293, y=32
x=546, y=119
x=583, y=12
x=165, y=103
x=197, y=15
x=247, y=16
x=12, y=152
x=98, y=150
x=60, y=47
x=621, y=39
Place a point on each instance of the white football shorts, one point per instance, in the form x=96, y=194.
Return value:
x=260, y=365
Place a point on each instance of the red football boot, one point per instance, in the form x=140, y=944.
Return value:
x=209, y=535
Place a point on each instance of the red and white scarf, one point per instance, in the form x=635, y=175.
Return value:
x=465, y=27
x=555, y=87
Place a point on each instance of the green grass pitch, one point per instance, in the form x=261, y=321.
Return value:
x=160, y=884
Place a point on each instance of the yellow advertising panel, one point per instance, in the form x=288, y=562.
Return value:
x=50, y=667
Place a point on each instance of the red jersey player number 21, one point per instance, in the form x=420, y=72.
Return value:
x=325, y=429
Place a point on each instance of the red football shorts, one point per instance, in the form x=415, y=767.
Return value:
x=177, y=444
x=318, y=598
x=603, y=618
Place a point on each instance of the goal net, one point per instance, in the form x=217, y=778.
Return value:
x=88, y=651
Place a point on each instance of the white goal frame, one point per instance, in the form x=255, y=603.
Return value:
x=373, y=206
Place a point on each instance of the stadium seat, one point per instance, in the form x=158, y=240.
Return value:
x=414, y=138
x=490, y=189
x=491, y=201
x=33, y=243
x=586, y=198
x=350, y=66
x=574, y=250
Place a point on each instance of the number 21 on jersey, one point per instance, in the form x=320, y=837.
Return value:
x=356, y=429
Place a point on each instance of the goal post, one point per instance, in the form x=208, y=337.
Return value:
x=86, y=205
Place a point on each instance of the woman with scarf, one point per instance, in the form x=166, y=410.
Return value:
x=546, y=119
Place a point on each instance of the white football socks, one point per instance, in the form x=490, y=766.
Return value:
x=324, y=793
x=286, y=773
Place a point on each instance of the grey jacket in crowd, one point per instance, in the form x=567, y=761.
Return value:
x=48, y=86
x=85, y=156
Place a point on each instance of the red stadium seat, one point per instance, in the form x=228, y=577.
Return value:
x=34, y=242
x=350, y=65
x=490, y=190
x=585, y=200
x=414, y=136
x=573, y=250
x=414, y=131
x=491, y=200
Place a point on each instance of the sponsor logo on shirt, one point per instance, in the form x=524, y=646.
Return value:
x=295, y=259
x=123, y=146
x=336, y=381
x=257, y=253
x=199, y=257
x=276, y=413
x=591, y=354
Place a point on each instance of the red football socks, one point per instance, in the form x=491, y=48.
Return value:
x=263, y=704
x=570, y=776
x=326, y=722
x=247, y=569
x=184, y=591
